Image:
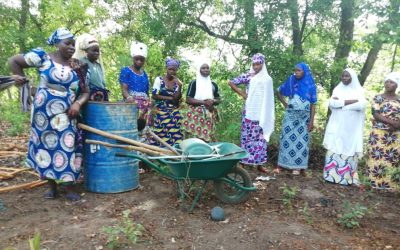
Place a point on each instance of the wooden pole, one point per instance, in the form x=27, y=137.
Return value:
x=22, y=186
x=127, y=147
x=148, y=130
x=123, y=139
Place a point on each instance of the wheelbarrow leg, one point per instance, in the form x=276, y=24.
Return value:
x=199, y=192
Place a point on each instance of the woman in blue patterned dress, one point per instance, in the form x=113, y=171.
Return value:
x=258, y=113
x=298, y=121
x=167, y=92
x=135, y=84
x=53, y=146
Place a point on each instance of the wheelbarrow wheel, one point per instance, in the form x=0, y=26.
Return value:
x=229, y=193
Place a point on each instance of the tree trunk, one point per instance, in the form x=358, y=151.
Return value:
x=251, y=27
x=345, y=41
x=369, y=62
x=22, y=25
x=296, y=36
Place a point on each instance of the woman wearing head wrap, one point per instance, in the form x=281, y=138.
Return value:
x=54, y=150
x=344, y=140
x=259, y=111
x=88, y=51
x=167, y=92
x=135, y=83
x=202, y=96
x=384, y=140
x=298, y=120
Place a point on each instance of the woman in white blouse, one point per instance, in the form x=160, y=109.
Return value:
x=344, y=132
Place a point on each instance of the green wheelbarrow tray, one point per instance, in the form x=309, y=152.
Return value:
x=232, y=183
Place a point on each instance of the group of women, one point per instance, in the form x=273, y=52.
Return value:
x=74, y=74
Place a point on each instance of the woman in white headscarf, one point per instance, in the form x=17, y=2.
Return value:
x=344, y=132
x=383, y=162
x=202, y=96
x=88, y=51
x=259, y=111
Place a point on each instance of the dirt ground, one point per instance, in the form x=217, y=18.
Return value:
x=263, y=222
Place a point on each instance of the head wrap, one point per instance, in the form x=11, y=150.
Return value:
x=258, y=58
x=304, y=87
x=355, y=83
x=204, y=87
x=138, y=49
x=394, y=76
x=58, y=35
x=172, y=62
x=83, y=42
x=260, y=104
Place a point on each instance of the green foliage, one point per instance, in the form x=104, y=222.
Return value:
x=289, y=194
x=306, y=214
x=11, y=113
x=125, y=233
x=34, y=243
x=351, y=214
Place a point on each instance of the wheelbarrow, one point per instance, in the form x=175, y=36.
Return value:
x=232, y=184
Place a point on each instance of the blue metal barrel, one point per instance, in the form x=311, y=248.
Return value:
x=105, y=172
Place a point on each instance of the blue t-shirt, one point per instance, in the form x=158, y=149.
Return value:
x=137, y=84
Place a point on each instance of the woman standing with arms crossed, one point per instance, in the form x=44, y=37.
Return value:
x=53, y=146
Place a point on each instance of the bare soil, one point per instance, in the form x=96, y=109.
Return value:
x=263, y=222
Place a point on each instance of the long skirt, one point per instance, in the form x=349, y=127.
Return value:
x=252, y=140
x=341, y=169
x=383, y=164
x=200, y=123
x=294, y=144
x=54, y=150
x=167, y=125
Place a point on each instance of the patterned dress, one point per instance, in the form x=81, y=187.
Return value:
x=251, y=136
x=294, y=140
x=198, y=121
x=53, y=149
x=167, y=122
x=138, y=87
x=384, y=146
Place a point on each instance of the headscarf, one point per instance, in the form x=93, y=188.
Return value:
x=304, y=87
x=394, y=76
x=58, y=35
x=172, y=62
x=260, y=105
x=138, y=49
x=204, y=87
x=82, y=43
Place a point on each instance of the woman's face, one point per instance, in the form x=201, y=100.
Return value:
x=66, y=47
x=298, y=73
x=138, y=61
x=346, y=78
x=171, y=71
x=390, y=86
x=257, y=67
x=93, y=53
x=205, y=70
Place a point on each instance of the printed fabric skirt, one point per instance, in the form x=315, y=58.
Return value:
x=294, y=144
x=383, y=164
x=167, y=125
x=341, y=169
x=199, y=122
x=144, y=106
x=252, y=140
x=53, y=149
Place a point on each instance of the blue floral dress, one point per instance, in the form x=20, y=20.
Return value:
x=53, y=149
x=251, y=136
x=167, y=121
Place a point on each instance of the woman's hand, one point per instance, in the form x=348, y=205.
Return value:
x=75, y=63
x=19, y=80
x=209, y=103
x=129, y=99
x=244, y=95
x=73, y=111
x=310, y=126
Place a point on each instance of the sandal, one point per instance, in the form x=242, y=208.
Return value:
x=296, y=172
x=262, y=169
x=73, y=196
x=51, y=194
x=277, y=170
x=141, y=171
